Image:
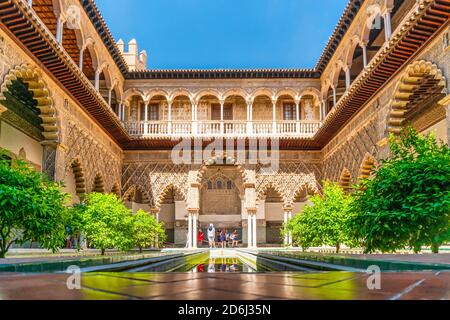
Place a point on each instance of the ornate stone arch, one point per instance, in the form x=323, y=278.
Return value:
x=223, y=160
x=345, y=180
x=235, y=92
x=354, y=43
x=116, y=189
x=80, y=179
x=303, y=192
x=262, y=192
x=98, y=184
x=310, y=91
x=90, y=46
x=367, y=168
x=156, y=92
x=422, y=79
x=48, y=113
x=131, y=193
x=287, y=92
x=263, y=92
x=326, y=85
x=160, y=198
x=207, y=92
x=131, y=93
x=179, y=93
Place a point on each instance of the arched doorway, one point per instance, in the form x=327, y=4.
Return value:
x=271, y=208
x=172, y=211
x=221, y=198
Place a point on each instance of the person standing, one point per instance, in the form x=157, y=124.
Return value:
x=235, y=239
x=200, y=237
x=223, y=239
x=211, y=236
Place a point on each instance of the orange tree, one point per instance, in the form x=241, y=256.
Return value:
x=407, y=203
x=31, y=207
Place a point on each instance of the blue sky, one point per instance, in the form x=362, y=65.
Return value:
x=228, y=34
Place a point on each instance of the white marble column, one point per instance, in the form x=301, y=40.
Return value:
x=334, y=97
x=189, y=237
x=290, y=232
x=274, y=116
x=364, y=49
x=254, y=228
x=387, y=24
x=249, y=117
x=80, y=64
x=347, y=78
x=297, y=111
x=249, y=230
x=169, y=117
x=145, y=118
x=195, y=230
x=97, y=80
x=222, y=123
x=194, y=118
x=286, y=237
x=59, y=29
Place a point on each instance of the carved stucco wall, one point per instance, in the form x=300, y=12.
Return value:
x=365, y=134
x=79, y=136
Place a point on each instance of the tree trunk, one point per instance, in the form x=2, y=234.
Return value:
x=103, y=252
x=2, y=254
x=435, y=248
x=338, y=248
x=140, y=250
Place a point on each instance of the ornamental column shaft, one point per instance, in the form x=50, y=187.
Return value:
x=222, y=118
x=146, y=119
x=189, y=237
x=274, y=116
x=249, y=230
x=254, y=228
x=347, y=78
x=249, y=118
x=81, y=59
x=169, y=117
x=334, y=97
x=364, y=48
x=387, y=25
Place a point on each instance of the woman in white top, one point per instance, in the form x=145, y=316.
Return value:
x=212, y=236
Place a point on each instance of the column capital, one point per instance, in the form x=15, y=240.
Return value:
x=193, y=210
x=249, y=185
x=251, y=211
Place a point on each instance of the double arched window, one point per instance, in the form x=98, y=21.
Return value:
x=219, y=184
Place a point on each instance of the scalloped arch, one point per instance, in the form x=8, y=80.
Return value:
x=31, y=76
x=420, y=75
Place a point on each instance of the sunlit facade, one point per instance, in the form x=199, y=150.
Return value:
x=86, y=110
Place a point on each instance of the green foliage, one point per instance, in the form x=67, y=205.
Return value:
x=75, y=221
x=31, y=207
x=324, y=222
x=107, y=223
x=407, y=203
x=147, y=231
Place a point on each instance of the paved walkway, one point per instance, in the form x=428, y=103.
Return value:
x=211, y=286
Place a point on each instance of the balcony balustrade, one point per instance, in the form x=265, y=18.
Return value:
x=216, y=129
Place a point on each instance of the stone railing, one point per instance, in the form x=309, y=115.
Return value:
x=235, y=128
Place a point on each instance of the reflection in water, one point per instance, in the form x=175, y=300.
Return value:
x=216, y=265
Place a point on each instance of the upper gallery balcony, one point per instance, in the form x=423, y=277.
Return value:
x=232, y=117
